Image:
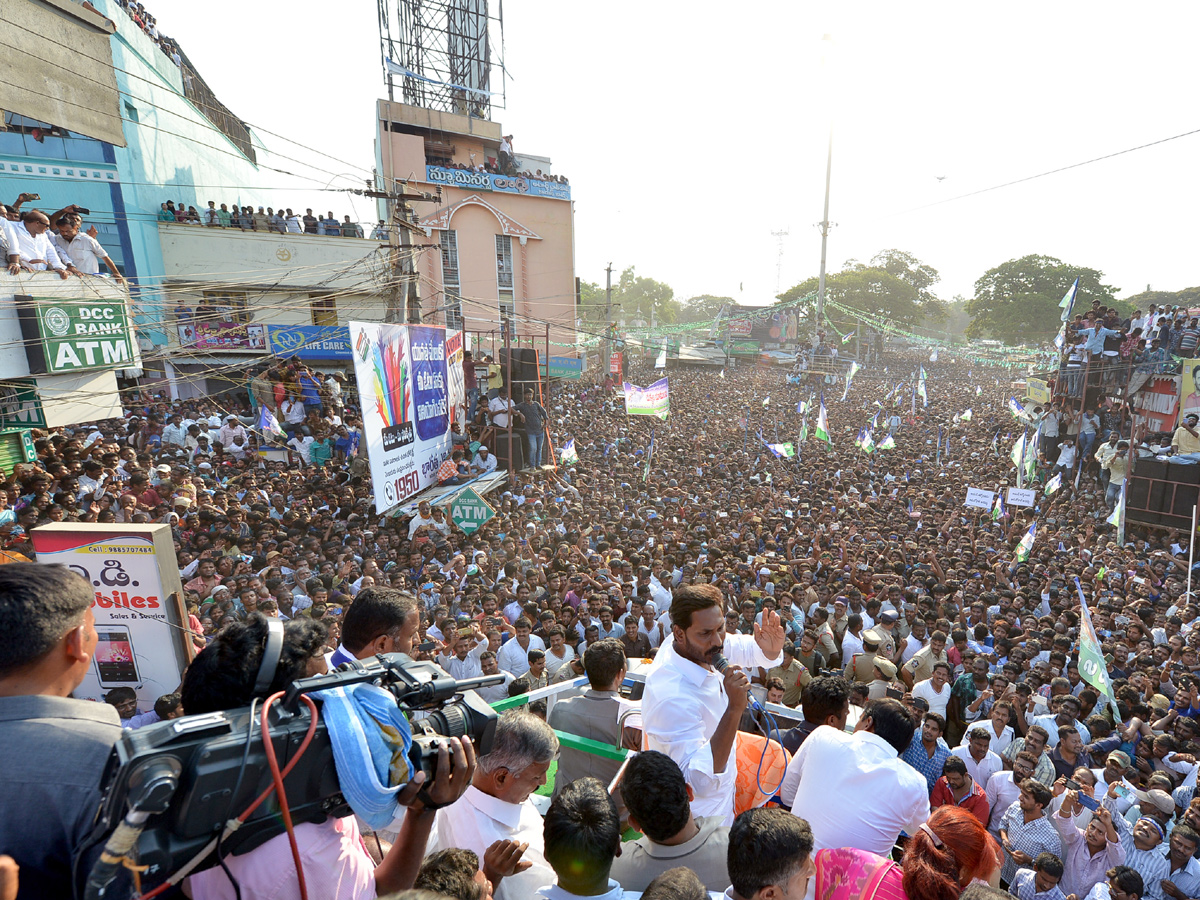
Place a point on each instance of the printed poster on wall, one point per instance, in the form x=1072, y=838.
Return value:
x=457, y=387
x=403, y=382
x=140, y=619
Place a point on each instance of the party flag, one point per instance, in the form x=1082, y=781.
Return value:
x=785, y=451
x=1117, y=519
x=978, y=391
x=921, y=388
x=868, y=444
x=888, y=443
x=268, y=424
x=1026, y=545
x=1054, y=484
x=823, y=425
x=966, y=416
x=766, y=401
x=1067, y=303
x=569, y=456
x=933, y=355
x=847, y=336
x=661, y=362
x=803, y=431
x=1017, y=409
x=1092, y=667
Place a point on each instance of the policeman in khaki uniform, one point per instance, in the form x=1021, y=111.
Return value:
x=861, y=667
x=886, y=631
x=885, y=677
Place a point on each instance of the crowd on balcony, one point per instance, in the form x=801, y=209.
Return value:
x=505, y=164
x=34, y=241
x=282, y=221
x=143, y=20
x=1145, y=343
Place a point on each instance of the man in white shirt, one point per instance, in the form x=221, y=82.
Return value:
x=424, y=516
x=80, y=249
x=917, y=640
x=500, y=408
x=853, y=789
x=514, y=653
x=981, y=762
x=1003, y=789
x=465, y=661
x=231, y=429
x=496, y=692
x=690, y=709
x=483, y=461
x=496, y=807
x=935, y=690
x=31, y=248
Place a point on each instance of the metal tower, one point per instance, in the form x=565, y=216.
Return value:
x=441, y=53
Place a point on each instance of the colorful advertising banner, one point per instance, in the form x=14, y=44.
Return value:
x=486, y=181
x=144, y=643
x=403, y=381
x=457, y=386
x=222, y=336
x=309, y=341
x=654, y=400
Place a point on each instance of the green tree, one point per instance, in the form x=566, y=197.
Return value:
x=591, y=305
x=1017, y=301
x=703, y=308
x=638, y=297
x=895, y=285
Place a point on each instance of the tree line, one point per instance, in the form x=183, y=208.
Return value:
x=1015, y=302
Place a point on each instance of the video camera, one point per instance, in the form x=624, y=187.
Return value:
x=184, y=779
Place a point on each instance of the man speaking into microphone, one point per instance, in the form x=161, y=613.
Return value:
x=690, y=709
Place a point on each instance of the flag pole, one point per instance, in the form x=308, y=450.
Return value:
x=1191, y=553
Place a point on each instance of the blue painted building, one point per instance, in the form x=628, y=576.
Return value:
x=182, y=144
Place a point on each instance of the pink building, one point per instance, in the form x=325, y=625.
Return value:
x=505, y=228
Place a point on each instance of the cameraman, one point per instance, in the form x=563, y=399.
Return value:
x=336, y=865
x=55, y=748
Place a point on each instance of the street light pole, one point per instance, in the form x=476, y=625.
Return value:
x=828, y=172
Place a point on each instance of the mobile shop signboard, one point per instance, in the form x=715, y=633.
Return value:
x=68, y=334
x=142, y=628
x=403, y=380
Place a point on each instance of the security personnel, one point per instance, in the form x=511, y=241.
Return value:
x=885, y=678
x=861, y=667
x=886, y=630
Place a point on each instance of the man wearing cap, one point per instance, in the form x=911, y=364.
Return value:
x=920, y=667
x=884, y=680
x=886, y=629
x=1142, y=842
x=483, y=461
x=861, y=668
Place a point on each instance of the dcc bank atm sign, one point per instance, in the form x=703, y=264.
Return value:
x=73, y=334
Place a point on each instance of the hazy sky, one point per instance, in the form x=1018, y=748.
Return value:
x=690, y=132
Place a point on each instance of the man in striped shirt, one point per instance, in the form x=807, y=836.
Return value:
x=1025, y=831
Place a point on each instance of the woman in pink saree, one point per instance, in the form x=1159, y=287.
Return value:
x=946, y=854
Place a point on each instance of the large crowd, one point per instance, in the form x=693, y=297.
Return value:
x=943, y=732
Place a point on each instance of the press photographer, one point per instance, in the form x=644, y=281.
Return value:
x=54, y=747
x=335, y=864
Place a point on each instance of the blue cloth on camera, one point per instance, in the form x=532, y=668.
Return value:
x=371, y=738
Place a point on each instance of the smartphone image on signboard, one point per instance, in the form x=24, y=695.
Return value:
x=114, y=657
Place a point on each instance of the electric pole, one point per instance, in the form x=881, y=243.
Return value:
x=825, y=219
x=403, y=299
x=604, y=364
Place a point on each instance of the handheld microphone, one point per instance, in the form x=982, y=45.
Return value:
x=721, y=664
